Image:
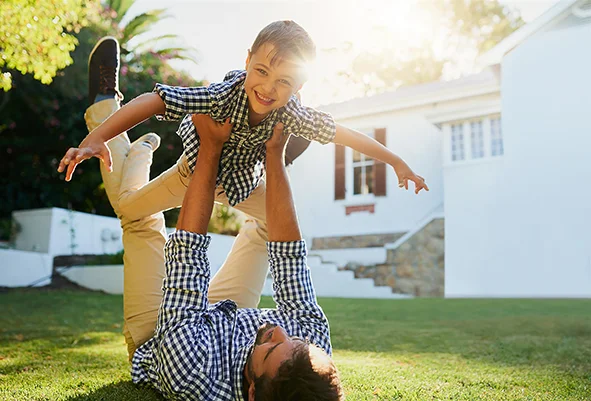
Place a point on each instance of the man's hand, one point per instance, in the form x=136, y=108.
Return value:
x=405, y=174
x=211, y=131
x=278, y=140
x=89, y=147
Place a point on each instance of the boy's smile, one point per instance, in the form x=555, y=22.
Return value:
x=270, y=83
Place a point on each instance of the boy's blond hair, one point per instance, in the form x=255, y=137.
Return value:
x=289, y=40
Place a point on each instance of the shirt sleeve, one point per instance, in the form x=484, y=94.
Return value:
x=213, y=99
x=180, y=101
x=293, y=291
x=309, y=123
x=186, y=283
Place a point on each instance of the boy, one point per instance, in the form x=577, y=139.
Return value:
x=253, y=101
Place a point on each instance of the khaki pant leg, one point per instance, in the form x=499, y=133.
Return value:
x=143, y=238
x=242, y=276
x=139, y=197
x=143, y=242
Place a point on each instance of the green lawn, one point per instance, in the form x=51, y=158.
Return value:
x=66, y=345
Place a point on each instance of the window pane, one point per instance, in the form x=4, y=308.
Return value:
x=457, y=142
x=356, y=156
x=477, y=137
x=496, y=137
x=357, y=176
x=369, y=181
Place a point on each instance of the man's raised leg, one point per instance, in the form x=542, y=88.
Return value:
x=143, y=239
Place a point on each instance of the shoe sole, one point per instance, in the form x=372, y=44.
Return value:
x=99, y=43
x=101, y=40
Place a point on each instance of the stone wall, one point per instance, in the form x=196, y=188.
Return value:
x=355, y=241
x=415, y=267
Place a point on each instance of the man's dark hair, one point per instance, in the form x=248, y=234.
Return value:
x=288, y=38
x=296, y=380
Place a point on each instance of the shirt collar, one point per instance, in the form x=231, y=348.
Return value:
x=239, y=114
x=238, y=369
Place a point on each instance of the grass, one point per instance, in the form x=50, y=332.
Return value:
x=66, y=345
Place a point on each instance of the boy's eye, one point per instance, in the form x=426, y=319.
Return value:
x=285, y=82
x=261, y=71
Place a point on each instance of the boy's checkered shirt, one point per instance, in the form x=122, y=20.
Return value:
x=243, y=157
x=199, y=351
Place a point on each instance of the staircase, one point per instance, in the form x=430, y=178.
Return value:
x=329, y=281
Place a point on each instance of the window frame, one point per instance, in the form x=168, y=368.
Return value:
x=486, y=122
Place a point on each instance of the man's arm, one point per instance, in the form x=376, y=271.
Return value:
x=372, y=148
x=292, y=285
x=187, y=267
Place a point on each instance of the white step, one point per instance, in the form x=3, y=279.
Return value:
x=331, y=282
x=361, y=256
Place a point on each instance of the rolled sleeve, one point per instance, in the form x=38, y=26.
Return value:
x=309, y=123
x=186, y=283
x=181, y=101
x=293, y=291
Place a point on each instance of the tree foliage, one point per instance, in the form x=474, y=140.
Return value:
x=40, y=122
x=459, y=32
x=36, y=37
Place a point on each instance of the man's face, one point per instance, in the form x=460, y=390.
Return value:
x=272, y=347
x=269, y=86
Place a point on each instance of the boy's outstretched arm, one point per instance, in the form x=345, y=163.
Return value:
x=372, y=148
x=127, y=117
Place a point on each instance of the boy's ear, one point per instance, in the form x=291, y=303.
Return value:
x=297, y=92
x=248, y=55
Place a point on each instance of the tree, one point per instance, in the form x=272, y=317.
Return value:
x=40, y=122
x=33, y=36
x=140, y=24
x=461, y=29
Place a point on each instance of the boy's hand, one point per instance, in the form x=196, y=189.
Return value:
x=211, y=131
x=404, y=173
x=89, y=147
x=278, y=139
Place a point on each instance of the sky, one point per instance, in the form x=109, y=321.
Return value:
x=222, y=31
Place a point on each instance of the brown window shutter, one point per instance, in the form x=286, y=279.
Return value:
x=380, y=167
x=339, y=172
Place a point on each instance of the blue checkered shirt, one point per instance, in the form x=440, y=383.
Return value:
x=243, y=157
x=199, y=351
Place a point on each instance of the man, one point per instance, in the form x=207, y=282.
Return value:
x=219, y=352
x=213, y=352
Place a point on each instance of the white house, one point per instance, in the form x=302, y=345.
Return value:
x=507, y=160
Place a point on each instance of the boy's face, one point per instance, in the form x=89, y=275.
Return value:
x=269, y=86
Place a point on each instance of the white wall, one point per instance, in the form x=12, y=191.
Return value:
x=411, y=136
x=62, y=232
x=519, y=226
x=46, y=233
x=20, y=268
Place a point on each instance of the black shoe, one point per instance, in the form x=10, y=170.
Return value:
x=103, y=69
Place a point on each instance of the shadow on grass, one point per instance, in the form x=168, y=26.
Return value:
x=124, y=390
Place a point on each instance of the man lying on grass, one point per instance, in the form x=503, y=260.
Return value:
x=219, y=352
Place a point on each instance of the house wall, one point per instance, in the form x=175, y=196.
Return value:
x=411, y=134
x=312, y=177
x=518, y=226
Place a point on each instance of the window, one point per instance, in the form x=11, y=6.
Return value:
x=363, y=174
x=496, y=137
x=473, y=139
x=477, y=139
x=457, y=142
x=357, y=175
